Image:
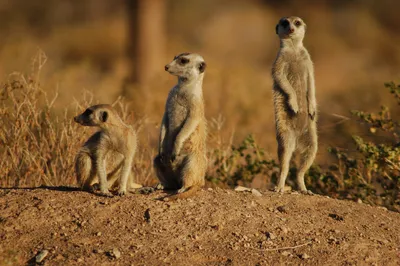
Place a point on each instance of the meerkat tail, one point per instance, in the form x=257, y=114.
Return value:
x=189, y=192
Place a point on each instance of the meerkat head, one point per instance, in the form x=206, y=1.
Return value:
x=291, y=28
x=96, y=115
x=187, y=66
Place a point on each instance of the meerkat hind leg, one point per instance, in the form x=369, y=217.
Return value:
x=307, y=158
x=286, y=147
x=192, y=178
x=85, y=171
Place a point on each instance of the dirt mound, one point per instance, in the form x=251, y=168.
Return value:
x=217, y=227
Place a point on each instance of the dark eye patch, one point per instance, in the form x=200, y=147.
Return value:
x=183, y=61
x=297, y=23
x=87, y=112
x=285, y=23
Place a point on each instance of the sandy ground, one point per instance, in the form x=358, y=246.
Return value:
x=216, y=227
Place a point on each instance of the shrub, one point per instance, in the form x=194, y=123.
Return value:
x=373, y=173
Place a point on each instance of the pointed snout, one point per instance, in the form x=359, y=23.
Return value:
x=291, y=30
x=76, y=119
x=166, y=67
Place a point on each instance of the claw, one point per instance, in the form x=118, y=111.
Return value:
x=307, y=192
x=106, y=193
x=279, y=190
x=121, y=193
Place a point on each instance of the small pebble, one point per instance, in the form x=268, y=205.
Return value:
x=41, y=256
x=282, y=209
x=256, y=193
x=305, y=256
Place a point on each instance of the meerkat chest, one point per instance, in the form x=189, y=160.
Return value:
x=297, y=63
x=177, y=110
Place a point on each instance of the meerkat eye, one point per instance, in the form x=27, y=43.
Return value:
x=297, y=23
x=285, y=23
x=103, y=116
x=183, y=61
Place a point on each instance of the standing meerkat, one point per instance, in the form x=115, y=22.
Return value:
x=114, y=145
x=181, y=162
x=294, y=101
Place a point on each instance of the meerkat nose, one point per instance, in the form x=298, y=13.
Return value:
x=291, y=30
x=166, y=67
x=76, y=119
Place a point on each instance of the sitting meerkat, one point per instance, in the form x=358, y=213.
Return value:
x=181, y=163
x=114, y=145
x=294, y=101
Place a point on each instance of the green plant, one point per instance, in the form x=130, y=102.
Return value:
x=241, y=165
x=373, y=173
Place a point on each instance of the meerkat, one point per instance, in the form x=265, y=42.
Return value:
x=114, y=145
x=181, y=162
x=294, y=101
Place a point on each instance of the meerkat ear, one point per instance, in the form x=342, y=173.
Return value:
x=103, y=116
x=202, y=67
x=276, y=28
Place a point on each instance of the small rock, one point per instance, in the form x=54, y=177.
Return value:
x=316, y=240
x=210, y=189
x=382, y=208
x=336, y=217
x=282, y=209
x=256, y=193
x=41, y=256
x=270, y=209
x=115, y=253
x=305, y=256
x=241, y=189
x=98, y=251
x=147, y=215
x=98, y=234
x=284, y=230
x=359, y=201
x=286, y=253
x=271, y=236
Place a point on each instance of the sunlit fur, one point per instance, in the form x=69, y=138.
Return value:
x=294, y=101
x=181, y=163
x=113, y=146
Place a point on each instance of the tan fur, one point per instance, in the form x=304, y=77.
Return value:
x=112, y=147
x=181, y=163
x=294, y=101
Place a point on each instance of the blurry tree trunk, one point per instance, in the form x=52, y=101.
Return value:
x=146, y=46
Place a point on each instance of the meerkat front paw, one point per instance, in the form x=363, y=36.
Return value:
x=94, y=187
x=106, y=193
x=121, y=192
x=279, y=189
x=306, y=192
x=312, y=110
x=145, y=190
x=293, y=105
x=159, y=186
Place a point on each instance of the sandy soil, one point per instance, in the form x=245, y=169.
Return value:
x=216, y=227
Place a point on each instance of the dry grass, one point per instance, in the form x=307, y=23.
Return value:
x=38, y=145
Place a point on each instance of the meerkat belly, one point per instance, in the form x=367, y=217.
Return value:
x=177, y=115
x=284, y=117
x=196, y=141
x=297, y=76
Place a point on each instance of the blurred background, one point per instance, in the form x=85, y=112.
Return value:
x=120, y=47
